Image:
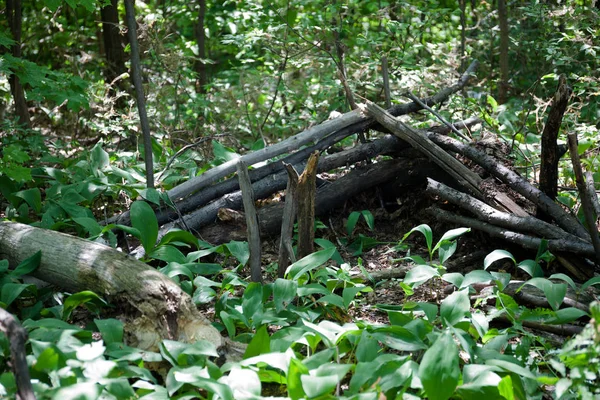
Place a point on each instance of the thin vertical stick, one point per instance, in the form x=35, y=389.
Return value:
x=586, y=202
x=251, y=221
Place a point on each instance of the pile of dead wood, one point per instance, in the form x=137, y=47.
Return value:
x=489, y=203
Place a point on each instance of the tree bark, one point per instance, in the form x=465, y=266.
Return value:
x=136, y=75
x=504, y=42
x=307, y=188
x=251, y=222
x=153, y=306
x=199, y=65
x=17, y=336
x=113, y=42
x=550, y=154
x=15, y=21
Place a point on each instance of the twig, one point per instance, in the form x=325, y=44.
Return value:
x=586, y=201
x=17, y=336
x=431, y=110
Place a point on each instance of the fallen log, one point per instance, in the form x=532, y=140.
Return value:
x=152, y=306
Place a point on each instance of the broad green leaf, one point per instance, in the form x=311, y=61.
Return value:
x=260, y=343
x=420, y=274
x=244, y=382
x=439, y=370
x=455, y=307
x=111, y=330
x=501, y=279
x=532, y=268
x=399, y=338
x=368, y=348
x=484, y=386
x=33, y=197
x=28, y=265
x=294, y=384
x=591, y=282
x=512, y=367
x=446, y=250
x=352, y=221
x=369, y=219
x=11, y=291
x=451, y=235
x=477, y=276
x=168, y=253
x=91, y=226
x=426, y=231
x=495, y=256
x=99, y=159
x=325, y=380
x=565, y=278
x=284, y=292
x=252, y=303
x=223, y=154
x=239, y=250
x=152, y=195
x=179, y=236
x=144, y=220
x=80, y=298
x=454, y=278
x=349, y=293
x=554, y=292
x=567, y=315
x=174, y=269
x=309, y=263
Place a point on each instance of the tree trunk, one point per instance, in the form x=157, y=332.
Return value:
x=199, y=65
x=136, y=75
x=113, y=42
x=14, y=16
x=504, y=39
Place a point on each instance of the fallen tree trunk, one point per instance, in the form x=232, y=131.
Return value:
x=152, y=306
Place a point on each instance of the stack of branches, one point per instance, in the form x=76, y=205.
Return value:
x=198, y=201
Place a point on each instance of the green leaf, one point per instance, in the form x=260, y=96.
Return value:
x=11, y=291
x=252, y=303
x=369, y=219
x=28, y=265
x=99, y=159
x=532, y=268
x=91, y=226
x=33, y=197
x=260, y=343
x=177, y=235
x=309, y=263
x=152, y=195
x=592, y=282
x=451, y=235
x=349, y=293
x=439, y=370
x=168, y=253
x=368, y=348
x=144, y=220
x=554, y=292
x=501, y=279
x=223, y=154
x=324, y=380
x=294, y=384
x=77, y=299
x=455, y=307
x=426, y=231
x=284, y=292
x=565, y=278
x=111, y=330
x=420, y=274
x=495, y=256
x=239, y=250
x=476, y=276
x=567, y=315
x=352, y=221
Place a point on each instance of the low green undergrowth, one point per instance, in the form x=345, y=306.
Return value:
x=302, y=341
